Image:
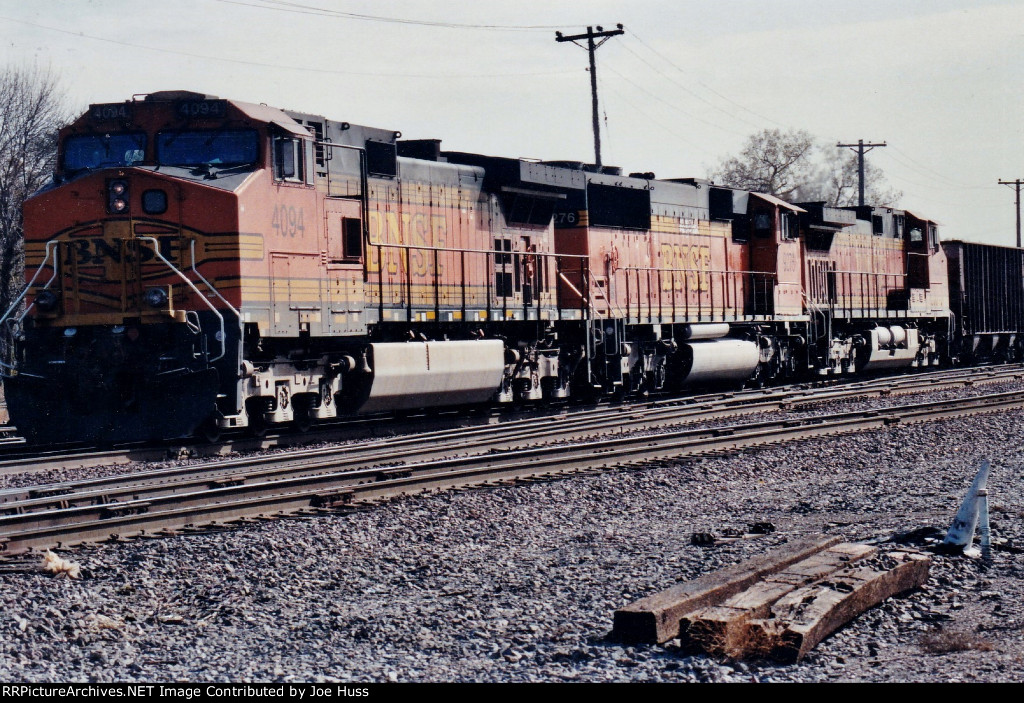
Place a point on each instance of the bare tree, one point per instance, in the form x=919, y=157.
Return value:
x=774, y=162
x=795, y=166
x=32, y=109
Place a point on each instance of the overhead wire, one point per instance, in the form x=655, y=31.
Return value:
x=669, y=78
x=653, y=120
x=711, y=90
x=299, y=8
x=660, y=99
x=910, y=163
x=925, y=168
x=305, y=68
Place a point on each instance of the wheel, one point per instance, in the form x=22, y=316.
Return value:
x=209, y=431
x=303, y=420
x=258, y=428
x=257, y=424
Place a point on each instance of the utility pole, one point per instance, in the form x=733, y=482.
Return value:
x=861, y=148
x=591, y=47
x=1016, y=184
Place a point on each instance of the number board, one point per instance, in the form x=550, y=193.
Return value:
x=110, y=111
x=198, y=109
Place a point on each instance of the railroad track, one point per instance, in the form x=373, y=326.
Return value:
x=84, y=512
x=706, y=406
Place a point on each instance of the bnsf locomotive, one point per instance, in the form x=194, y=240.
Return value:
x=201, y=264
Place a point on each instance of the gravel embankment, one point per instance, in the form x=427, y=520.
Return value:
x=519, y=583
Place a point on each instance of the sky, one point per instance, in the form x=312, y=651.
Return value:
x=938, y=80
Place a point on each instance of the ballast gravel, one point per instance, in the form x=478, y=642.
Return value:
x=518, y=583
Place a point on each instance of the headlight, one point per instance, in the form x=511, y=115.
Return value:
x=46, y=300
x=117, y=196
x=156, y=297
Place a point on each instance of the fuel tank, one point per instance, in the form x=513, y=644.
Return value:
x=720, y=360
x=412, y=375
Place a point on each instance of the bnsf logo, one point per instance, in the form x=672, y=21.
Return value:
x=98, y=251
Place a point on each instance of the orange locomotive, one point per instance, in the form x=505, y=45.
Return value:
x=207, y=264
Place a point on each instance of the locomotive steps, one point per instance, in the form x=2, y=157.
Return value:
x=84, y=514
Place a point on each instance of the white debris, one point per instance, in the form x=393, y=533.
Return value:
x=60, y=567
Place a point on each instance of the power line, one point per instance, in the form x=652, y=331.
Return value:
x=678, y=109
x=931, y=170
x=298, y=8
x=305, y=68
x=655, y=121
x=686, y=89
x=935, y=185
x=701, y=83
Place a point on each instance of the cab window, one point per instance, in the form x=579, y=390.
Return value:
x=100, y=150
x=218, y=147
x=289, y=161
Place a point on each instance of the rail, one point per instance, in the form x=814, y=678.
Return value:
x=229, y=500
x=411, y=276
x=700, y=294
x=847, y=292
x=434, y=429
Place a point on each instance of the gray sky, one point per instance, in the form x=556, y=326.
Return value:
x=939, y=80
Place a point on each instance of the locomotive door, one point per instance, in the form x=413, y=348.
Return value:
x=343, y=252
x=280, y=317
x=515, y=273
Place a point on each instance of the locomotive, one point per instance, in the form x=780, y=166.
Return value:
x=201, y=264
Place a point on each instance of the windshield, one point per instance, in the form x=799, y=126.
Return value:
x=216, y=148
x=95, y=150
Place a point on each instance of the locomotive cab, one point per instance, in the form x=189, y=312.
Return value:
x=131, y=328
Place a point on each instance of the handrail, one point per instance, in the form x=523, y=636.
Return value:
x=424, y=247
x=567, y=282
x=732, y=272
x=507, y=267
x=51, y=248
x=209, y=285
x=222, y=335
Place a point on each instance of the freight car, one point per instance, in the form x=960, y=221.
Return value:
x=208, y=264
x=986, y=286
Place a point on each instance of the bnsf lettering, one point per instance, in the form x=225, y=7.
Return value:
x=289, y=221
x=692, y=264
x=98, y=251
x=414, y=230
